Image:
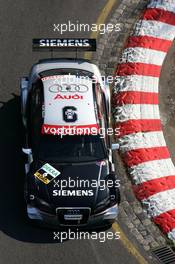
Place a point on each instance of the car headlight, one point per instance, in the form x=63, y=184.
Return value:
x=43, y=205
x=102, y=205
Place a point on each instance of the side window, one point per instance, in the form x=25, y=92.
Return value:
x=101, y=105
x=101, y=109
x=36, y=107
x=36, y=100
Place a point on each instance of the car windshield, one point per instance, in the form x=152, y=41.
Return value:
x=71, y=148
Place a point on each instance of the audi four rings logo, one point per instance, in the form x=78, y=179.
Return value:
x=73, y=211
x=65, y=88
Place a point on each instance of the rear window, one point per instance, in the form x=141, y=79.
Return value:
x=67, y=71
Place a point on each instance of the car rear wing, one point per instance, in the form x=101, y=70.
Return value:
x=64, y=44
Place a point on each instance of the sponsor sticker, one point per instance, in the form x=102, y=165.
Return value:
x=62, y=44
x=46, y=173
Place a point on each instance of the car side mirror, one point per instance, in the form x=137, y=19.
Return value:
x=28, y=158
x=27, y=151
x=115, y=146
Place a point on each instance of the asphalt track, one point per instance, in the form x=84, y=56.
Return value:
x=19, y=242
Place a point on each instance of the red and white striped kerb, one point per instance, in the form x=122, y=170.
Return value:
x=136, y=113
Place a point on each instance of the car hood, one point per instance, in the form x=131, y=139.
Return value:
x=76, y=185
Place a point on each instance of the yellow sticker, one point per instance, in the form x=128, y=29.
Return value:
x=41, y=177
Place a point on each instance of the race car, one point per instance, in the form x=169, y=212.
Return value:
x=70, y=177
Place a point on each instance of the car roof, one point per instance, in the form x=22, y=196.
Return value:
x=68, y=102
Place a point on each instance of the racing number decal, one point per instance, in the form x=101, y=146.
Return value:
x=69, y=114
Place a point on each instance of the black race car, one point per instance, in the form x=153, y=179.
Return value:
x=70, y=177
